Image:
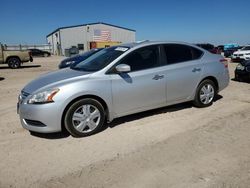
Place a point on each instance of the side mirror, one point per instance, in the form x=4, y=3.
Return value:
x=123, y=68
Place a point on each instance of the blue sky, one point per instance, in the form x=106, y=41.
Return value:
x=214, y=21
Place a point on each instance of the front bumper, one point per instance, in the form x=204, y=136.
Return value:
x=240, y=58
x=42, y=118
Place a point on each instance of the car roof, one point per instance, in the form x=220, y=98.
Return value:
x=147, y=42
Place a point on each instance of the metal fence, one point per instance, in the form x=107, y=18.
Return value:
x=45, y=47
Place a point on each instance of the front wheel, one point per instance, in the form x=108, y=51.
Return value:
x=205, y=94
x=84, y=118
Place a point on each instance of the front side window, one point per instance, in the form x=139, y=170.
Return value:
x=100, y=59
x=143, y=58
x=177, y=53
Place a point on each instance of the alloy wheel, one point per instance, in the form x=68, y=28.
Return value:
x=207, y=94
x=86, y=118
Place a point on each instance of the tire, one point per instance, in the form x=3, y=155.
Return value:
x=205, y=94
x=46, y=55
x=14, y=62
x=84, y=117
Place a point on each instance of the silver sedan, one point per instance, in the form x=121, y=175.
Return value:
x=119, y=81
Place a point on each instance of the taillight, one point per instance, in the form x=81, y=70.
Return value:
x=225, y=63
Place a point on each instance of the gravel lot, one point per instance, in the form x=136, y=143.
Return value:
x=176, y=146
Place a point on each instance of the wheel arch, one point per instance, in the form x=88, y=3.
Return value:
x=212, y=78
x=9, y=57
x=95, y=97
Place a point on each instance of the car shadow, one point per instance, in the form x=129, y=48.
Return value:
x=2, y=78
x=29, y=66
x=149, y=113
x=217, y=97
x=164, y=110
x=51, y=136
x=241, y=81
x=23, y=67
x=125, y=119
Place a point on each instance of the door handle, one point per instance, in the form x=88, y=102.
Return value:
x=158, y=77
x=196, y=70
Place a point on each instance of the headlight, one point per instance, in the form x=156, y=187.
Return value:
x=248, y=54
x=69, y=62
x=240, y=67
x=43, y=97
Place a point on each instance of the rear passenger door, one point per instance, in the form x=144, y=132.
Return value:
x=183, y=72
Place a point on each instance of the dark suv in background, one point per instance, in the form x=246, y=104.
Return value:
x=242, y=71
x=77, y=58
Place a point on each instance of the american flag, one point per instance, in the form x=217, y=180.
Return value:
x=102, y=35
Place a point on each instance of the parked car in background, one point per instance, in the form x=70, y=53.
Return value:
x=119, y=81
x=77, y=58
x=40, y=53
x=221, y=48
x=242, y=54
x=14, y=58
x=209, y=47
x=242, y=71
x=229, y=51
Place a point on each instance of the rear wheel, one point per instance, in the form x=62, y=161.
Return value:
x=84, y=117
x=205, y=94
x=14, y=62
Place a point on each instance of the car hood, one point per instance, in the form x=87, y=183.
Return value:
x=242, y=52
x=53, y=78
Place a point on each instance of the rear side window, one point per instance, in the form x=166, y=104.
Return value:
x=196, y=54
x=177, y=53
x=143, y=58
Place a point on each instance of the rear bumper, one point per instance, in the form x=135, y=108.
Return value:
x=224, y=80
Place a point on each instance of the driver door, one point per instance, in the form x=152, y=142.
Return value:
x=144, y=87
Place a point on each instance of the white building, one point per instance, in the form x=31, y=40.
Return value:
x=87, y=36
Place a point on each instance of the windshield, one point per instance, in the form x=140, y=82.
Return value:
x=246, y=48
x=89, y=53
x=100, y=59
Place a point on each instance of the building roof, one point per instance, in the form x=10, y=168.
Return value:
x=89, y=24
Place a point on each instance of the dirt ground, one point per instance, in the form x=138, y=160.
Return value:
x=177, y=146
